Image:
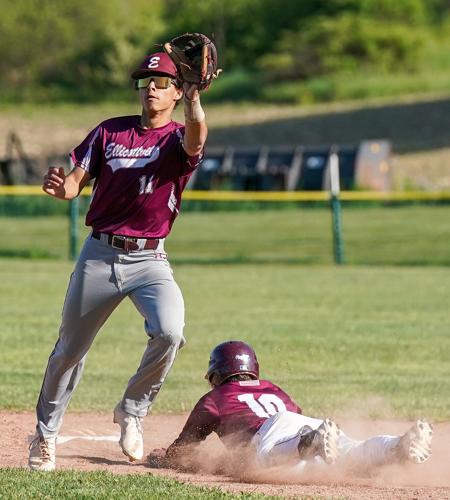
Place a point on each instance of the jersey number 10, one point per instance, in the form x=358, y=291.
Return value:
x=265, y=406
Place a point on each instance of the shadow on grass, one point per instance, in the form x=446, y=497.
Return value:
x=27, y=254
x=236, y=261
x=410, y=127
x=247, y=260
x=409, y=263
x=233, y=261
x=100, y=460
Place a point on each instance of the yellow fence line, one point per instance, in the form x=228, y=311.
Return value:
x=268, y=195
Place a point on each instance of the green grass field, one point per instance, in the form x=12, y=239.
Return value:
x=17, y=483
x=334, y=337
x=368, y=340
x=373, y=235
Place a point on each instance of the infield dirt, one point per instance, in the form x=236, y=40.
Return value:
x=88, y=441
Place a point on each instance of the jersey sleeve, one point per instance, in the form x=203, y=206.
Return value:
x=88, y=154
x=202, y=421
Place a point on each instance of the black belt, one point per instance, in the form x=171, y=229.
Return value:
x=128, y=243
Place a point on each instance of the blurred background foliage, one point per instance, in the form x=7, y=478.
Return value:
x=279, y=51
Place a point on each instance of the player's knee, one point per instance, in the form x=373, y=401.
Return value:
x=62, y=361
x=64, y=358
x=171, y=333
x=173, y=337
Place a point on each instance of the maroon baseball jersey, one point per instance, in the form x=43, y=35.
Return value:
x=235, y=411
x=139, y=175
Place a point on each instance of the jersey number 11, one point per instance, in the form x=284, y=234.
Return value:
x=146, y=184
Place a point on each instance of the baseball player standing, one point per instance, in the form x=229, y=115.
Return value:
x=245, y=411
x=140, y=166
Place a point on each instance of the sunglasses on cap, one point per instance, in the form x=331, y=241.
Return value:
x=161, y=82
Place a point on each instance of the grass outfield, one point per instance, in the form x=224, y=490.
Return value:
x=372, y=235
x=19, y=483
x=369, y=341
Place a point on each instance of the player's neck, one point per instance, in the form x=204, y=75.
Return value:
x=156, y=120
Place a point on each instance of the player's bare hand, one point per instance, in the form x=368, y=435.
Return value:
x=191, y=91
x=157, y=459
x=53, y=183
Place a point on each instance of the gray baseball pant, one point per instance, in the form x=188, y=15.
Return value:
x=102, y=278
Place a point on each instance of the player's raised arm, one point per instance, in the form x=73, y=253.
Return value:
x=65, y=187
x=195, y=57
x=196, y=130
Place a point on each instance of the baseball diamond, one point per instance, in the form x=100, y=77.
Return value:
x=246, y=364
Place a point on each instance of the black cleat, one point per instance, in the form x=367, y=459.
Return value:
x=322, y=441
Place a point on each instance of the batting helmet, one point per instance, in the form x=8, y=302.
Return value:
x=231, y=358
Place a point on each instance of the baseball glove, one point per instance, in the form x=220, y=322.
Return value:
x=195, y=57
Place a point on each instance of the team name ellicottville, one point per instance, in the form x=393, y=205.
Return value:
x=120, y=151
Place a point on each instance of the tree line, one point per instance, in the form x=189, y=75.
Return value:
x=84, y=50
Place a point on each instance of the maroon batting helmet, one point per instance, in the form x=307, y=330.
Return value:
x=231, y=358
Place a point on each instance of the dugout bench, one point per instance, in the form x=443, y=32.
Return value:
x=366, y=165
